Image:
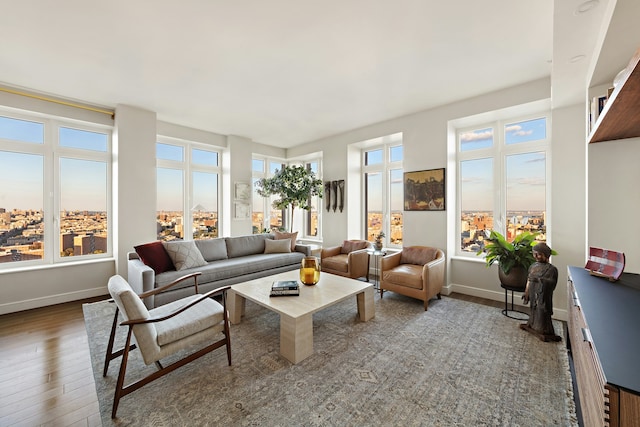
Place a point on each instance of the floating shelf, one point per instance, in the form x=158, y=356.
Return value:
x=620, y=117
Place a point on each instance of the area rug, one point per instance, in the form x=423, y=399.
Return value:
x=457, y=364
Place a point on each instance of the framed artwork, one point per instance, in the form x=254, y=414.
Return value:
x=424, y=190
x=242, y=191
x=241, y=210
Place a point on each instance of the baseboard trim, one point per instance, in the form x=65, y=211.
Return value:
x=558, y=313
x=29, y=304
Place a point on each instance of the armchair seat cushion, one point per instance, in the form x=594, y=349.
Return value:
x=337, y=263
x=199, y=317
x=408, y=275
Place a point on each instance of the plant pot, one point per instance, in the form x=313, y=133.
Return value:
x=377, y=246
x=516, y=279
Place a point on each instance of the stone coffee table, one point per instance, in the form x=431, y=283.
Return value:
x=296, y=312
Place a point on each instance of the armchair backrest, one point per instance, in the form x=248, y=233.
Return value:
x=419, y=255
x=132, y=308
x=354, y=245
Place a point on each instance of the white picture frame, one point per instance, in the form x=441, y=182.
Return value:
x=241, y=210
x=242, y=191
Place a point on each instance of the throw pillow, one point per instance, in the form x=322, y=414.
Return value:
x=277, y=246
x=417, y=255
x=155, y=256
x=281, y=236
x=184, y=254
x=353, y=245
x=212, y=249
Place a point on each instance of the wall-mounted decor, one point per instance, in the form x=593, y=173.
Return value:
x=242, y=191
x=424, y=190
x=334, y=195
x=241, y=210
x=340, y=195
x=327, y=195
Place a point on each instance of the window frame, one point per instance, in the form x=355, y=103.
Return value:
x=52, y=152
x=499, y=152
x=188, y=167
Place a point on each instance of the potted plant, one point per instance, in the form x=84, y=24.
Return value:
x=378, y=240
x=514, y=257
x=295, y=185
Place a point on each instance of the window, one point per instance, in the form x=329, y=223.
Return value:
x=502, y=180
x=187, y=190
x=383, y=189
x=311, y=218
x=42, y=156
x=264, y=217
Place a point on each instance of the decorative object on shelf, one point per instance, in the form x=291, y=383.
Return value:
x=327, y=195
x=605, y=263
x=424, y=190
x=541, y=282
x=334, y=192
x=295, y=186
x=378, y=241
x=310, y=270
x=341, y=194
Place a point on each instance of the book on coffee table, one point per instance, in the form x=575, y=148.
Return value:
x=284, y=288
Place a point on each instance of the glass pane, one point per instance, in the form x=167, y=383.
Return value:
x=274, y=166
x=83, y=207
x=170, y=204
x=21, y=130
x=21, y=207
x=204, y=157
x=530, y=130
x=526, y=191
x=257, y=215
x=373, y=203
x=257, y=165
x=476, y=139
x=313, y=166
x=373, y=157
x=397, y=206
x=169, y=152
x=276, y=220
x=476, y=203
x=205, y=205
x=395, y=153
x=76, y=138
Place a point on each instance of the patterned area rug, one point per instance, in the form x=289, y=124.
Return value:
x=458, y=364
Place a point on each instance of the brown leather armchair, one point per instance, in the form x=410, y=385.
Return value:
x=416, y=271
x=351, y=259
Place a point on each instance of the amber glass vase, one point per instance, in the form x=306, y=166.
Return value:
x=310, y=270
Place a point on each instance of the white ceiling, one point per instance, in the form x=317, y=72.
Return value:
x=286, y=72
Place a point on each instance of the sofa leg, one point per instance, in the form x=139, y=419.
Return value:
x=439, y=296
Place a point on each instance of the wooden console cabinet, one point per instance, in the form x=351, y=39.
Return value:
x=604, y=335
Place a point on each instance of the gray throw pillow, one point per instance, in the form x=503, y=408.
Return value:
x=212, y=249
x=277, y=246
x=184, y=254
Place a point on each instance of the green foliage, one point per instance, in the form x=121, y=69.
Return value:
x=511, y=254
x=295, y=186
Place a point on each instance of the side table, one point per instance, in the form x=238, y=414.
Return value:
x=377, y=254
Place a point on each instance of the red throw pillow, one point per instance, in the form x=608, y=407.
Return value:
x=155, y=256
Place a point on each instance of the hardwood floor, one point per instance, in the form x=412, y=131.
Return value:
x=45, y=369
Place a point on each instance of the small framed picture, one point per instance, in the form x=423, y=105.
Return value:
x=242, y=191
x=424, y=190
x=241, y=210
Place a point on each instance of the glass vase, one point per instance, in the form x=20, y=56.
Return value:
x=310, y=270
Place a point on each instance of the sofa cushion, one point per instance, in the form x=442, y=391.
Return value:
x=277, y=246
x=278, y=235
x=418, y=255
x=353, y=245
x=408, y=275
x=212, y=249
x=155, y=256
x=245, y=245
x=184, y=254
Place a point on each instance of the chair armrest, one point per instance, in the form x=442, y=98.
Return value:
x=175, y=282
x=358, y=262
x=330, y=251
x=390, y=261
x=433, y=271
x=174, y=313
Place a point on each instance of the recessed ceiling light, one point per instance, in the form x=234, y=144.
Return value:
x=586, y=6
x=577, y=58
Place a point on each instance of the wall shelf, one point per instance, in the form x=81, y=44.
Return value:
x=620, y=117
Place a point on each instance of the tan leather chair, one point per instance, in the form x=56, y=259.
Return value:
x=350, y=259
x=416, y=271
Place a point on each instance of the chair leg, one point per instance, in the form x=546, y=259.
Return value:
x=107, y=357
x=123, y=369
